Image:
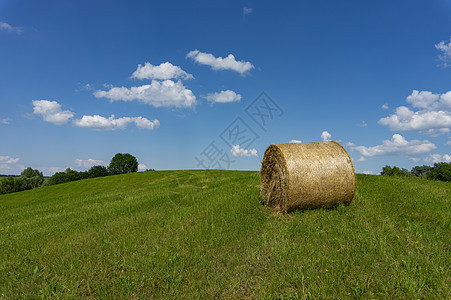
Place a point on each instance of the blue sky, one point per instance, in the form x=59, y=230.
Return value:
x=186, y=85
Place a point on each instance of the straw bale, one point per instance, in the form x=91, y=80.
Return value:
x=307, y=175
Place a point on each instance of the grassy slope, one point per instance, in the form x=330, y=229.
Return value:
x=205, y=234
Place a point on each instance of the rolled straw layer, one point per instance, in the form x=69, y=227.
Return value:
x=307, y=175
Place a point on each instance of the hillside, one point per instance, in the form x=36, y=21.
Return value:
x=204, y=234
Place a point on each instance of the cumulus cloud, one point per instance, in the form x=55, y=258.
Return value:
x=385, y=106
x=164, y=71
x=350, y=144
x=5, y=121
x=88, y=163
x=100, y=123
x=5, y=159
x=51, y=112
x=326, y=136
x=437, y=158
x=237, y=151
x=247, y=10
x=8, y=28
x=398, y=145
x=295, y=141
x=445, y=55
x=431, y=117
x=219, y=63
x=157, y=94
x=368, y=172
x=142, y=167
x=224, y=97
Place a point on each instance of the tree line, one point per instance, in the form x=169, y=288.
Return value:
x=121, y=163
x=440, y=171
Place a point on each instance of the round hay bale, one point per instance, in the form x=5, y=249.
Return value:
x=307, y=175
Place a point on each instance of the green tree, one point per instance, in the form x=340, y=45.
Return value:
x=387, y=170
x=123, y=163
x=29, y=173
x=441, y=171
x=395, y=171
x=98, y=171
x=9, y=185
x=421, y=171
x=30, y=179
x=67, y=176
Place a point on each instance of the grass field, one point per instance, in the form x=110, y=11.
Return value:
x=204, y=234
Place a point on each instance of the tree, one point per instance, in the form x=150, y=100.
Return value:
x=98, y=171
x=421, y=171
x=440, y=171
x=395, y=171
x=9, y=185
x=387, y=170
x=67, y=176
x=123, y=163
x=30, y=179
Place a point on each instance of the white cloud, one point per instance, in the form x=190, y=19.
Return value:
x=445, y=50
x=51, y=112
x=88, y=163
x=224, y=97
x=5, y=121
x=5, y=167
x=100, y=123
x=142, y=167
x=363, y=124
x=144, y=123
x=295, y=141
x=433, y=116
x=437, y=158
x=423, y=99
x=6, y=27
x=448, y=143
x=247, y=10
x=5, y=159
x=361, y=159
x=219, y=63
x=326, y=136
x=164, y=71
x=157, y=94
x=368, y=172
x=398, y=145
x=237, y=151
x=385, y=106
x=350, y=144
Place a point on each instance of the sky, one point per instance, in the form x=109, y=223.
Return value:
x=211, y=84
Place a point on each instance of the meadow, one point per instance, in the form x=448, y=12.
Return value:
x=205, y=234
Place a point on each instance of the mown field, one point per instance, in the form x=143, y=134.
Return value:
x=204, y=234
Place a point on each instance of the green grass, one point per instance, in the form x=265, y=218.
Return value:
x=204, y=234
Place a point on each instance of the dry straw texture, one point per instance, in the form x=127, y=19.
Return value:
x=307, y=175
